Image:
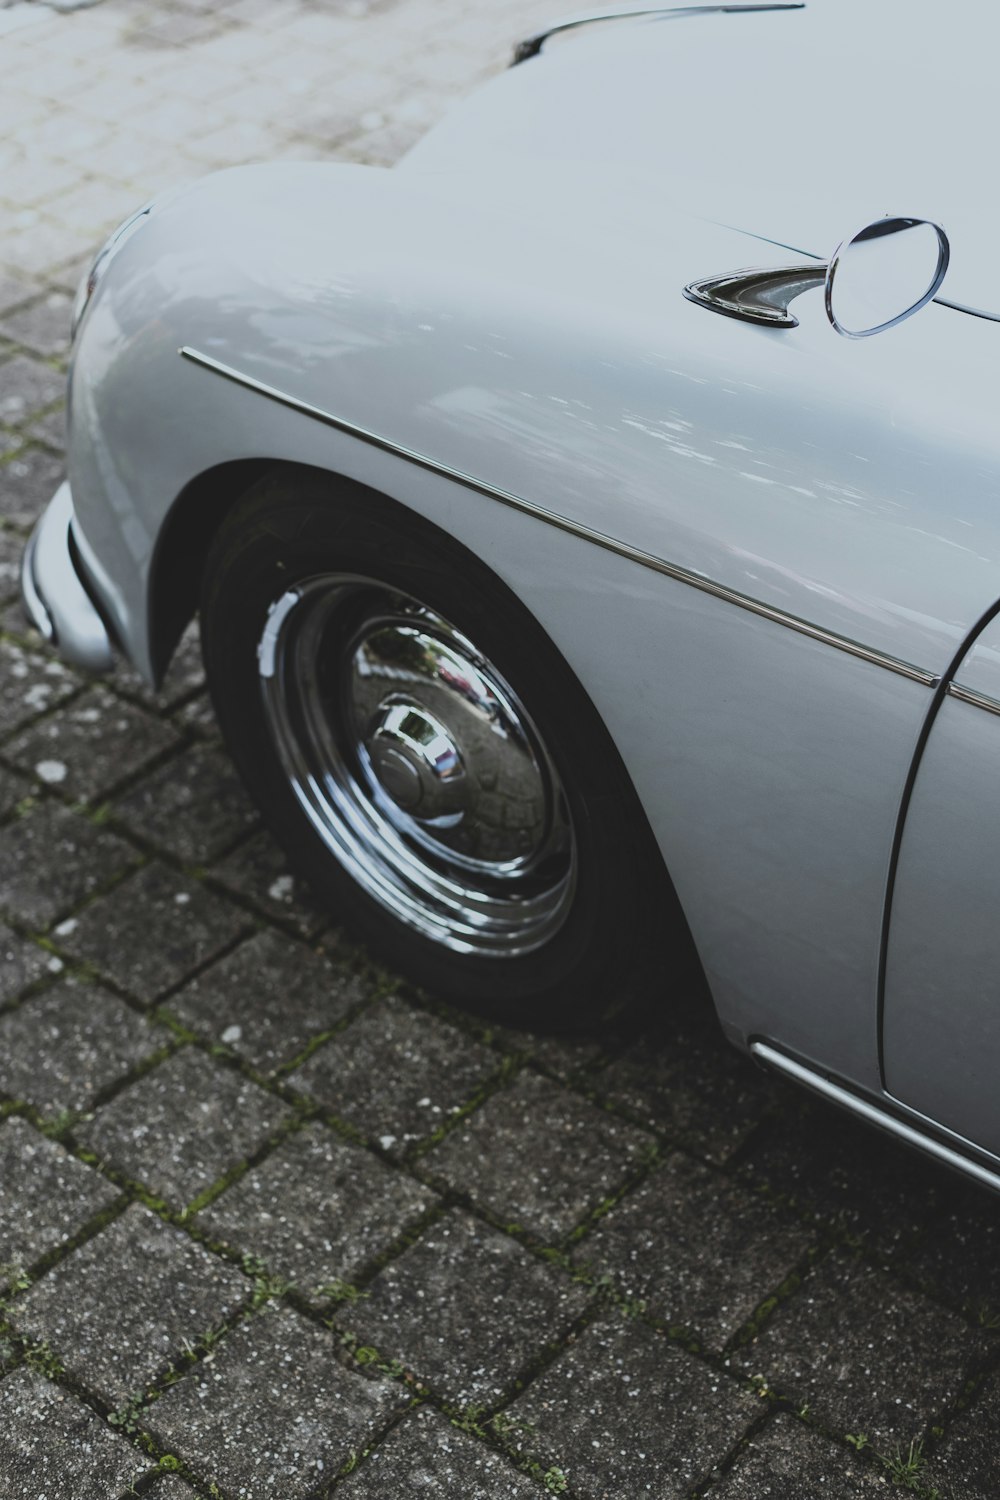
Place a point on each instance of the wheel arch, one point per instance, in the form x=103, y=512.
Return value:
x=176, y=576
x=181, y=548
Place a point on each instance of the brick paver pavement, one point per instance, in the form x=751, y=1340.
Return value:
x=269, y=1223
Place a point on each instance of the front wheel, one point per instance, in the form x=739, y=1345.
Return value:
x=424, y=753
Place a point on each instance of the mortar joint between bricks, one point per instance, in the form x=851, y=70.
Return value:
x=789, y=1286
x=30, y=1275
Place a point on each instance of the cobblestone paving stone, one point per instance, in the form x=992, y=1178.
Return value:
x=233, y=1001
x=623, y=1412
x=967, y=1463
x=275, y=1394
x=181, y=1127
x=153, y=930
x=47, y=1196
x=789, y=1460
x=538, y=1156
x=426, y=1455
x=693, y=1246
x=10, y=551
x=169, y=1487
x=21, y=962
x=195, y=807
x=317, y=1210
x=270, y=1224
x=51, y=860
x=29, y=683
x=958, y=1259
x=30, y=479
x=41, y=326
x=258, y=871
x=93, y=743
x=51, y=1444
x=395, y=1074
x=119, y=1307
x=680, y=1080
x=857, y=1348
x=185, y=676
x=13, y=789
x=62, y=1047
x=870, y=1186
x=466, y=1308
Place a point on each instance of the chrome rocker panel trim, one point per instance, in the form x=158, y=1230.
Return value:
x=563, y=523
x=977, y=700
x=875, y=1115
x=532, y=45
x=56, y=601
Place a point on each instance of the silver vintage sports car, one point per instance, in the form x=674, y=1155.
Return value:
x=577, y=604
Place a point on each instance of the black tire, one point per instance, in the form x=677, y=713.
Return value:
x=599, y=887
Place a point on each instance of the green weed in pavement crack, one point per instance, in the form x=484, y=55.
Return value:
x=42, y=1359
x=126, y=1416
x=369, y=1357
x=505, y=1426
x=470, y=1419
x=341, y=1291
x=905, y=1466
x=986, y=1315
x=17, y=1280
x=266, y=1289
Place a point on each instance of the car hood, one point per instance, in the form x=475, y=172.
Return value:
x=796, y=126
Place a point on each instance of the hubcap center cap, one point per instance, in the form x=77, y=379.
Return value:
x=416, y=761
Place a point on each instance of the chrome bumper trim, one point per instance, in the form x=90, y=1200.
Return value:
x=55, y=600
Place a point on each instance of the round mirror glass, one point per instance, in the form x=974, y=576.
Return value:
x=882, y=274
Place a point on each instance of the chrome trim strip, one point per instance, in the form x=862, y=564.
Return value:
x=532, y=45
x=974, y=312
x=873, y=1114
x=978, y=700
x=563, y=523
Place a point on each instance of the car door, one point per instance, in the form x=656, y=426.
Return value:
x=941, y=1020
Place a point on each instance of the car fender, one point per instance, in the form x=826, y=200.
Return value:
x=756, y=550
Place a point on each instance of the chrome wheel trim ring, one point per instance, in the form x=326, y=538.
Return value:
x=417, y=765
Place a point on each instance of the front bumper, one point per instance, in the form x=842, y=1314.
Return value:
x=54, y=595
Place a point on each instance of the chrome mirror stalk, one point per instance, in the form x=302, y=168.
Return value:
x=875, y=278
x=757, y=296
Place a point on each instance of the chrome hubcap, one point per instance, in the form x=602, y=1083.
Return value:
x=416, y=762
x=417, y=765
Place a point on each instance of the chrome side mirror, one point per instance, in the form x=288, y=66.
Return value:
x=874, y=279
x=883, y=274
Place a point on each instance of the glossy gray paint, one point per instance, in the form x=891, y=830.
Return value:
x=799, y=126
x=799, y=470
x=563, y=523
x=56, y=601
x=942, y=1016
